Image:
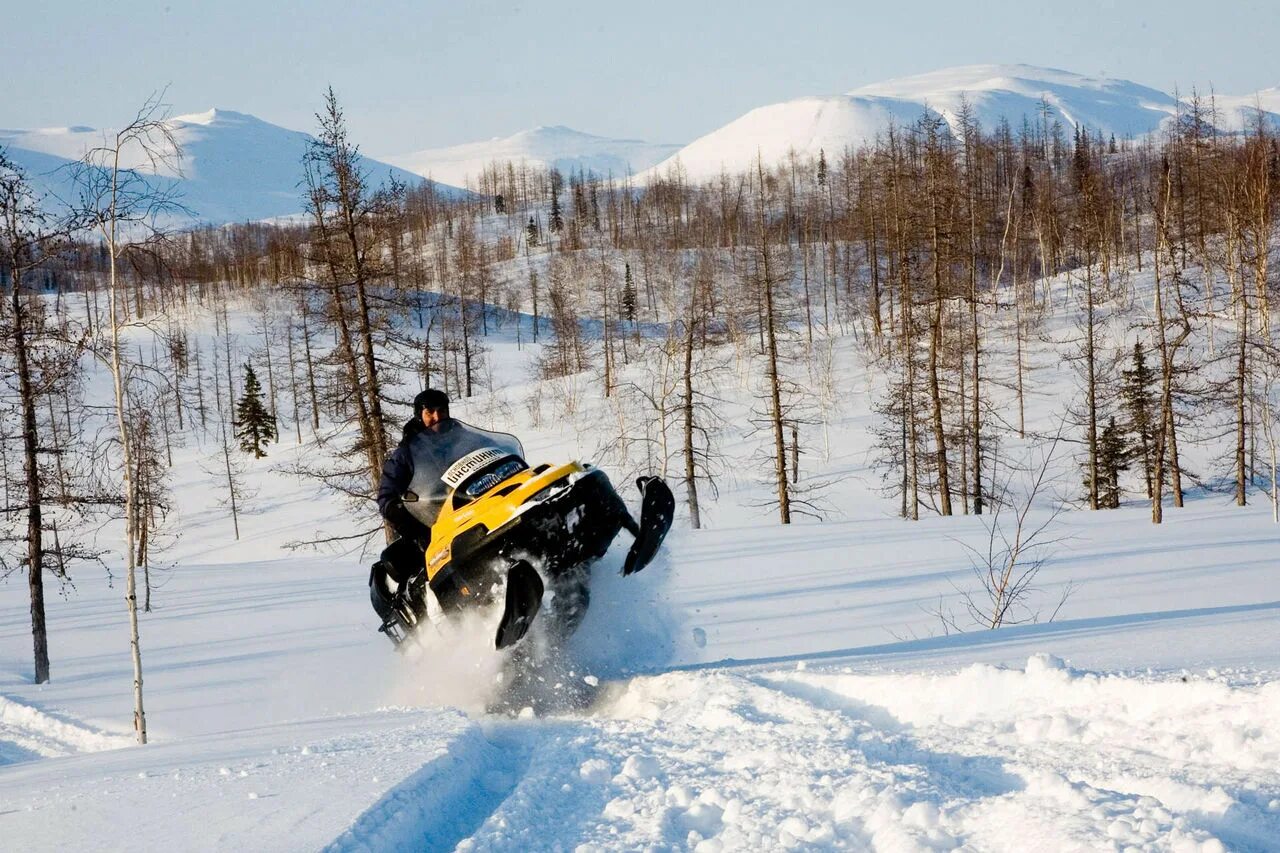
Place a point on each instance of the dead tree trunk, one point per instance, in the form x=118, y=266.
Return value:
x=30, y=445
x=770, y=322
x=1091, y=378
x=686, y=404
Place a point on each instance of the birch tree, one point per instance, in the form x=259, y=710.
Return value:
x=124, y=198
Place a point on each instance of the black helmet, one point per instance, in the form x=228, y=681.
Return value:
x=436, y=401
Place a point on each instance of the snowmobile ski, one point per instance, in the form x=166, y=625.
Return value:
x=524, y=597
x=657, y=509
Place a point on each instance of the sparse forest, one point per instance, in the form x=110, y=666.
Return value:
x=941, y=255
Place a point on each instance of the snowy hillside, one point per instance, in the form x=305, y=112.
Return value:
x=564, y=148
x=805, y=126
x=234, y=167
x=993, y=92
x=757, y=688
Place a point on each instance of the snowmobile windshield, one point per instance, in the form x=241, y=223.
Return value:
x=443, y=461
x=456, y=453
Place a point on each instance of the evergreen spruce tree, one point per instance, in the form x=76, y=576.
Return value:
x=499, y=203
x=1114, y=452
x=532, y=232
x=556, y=218
x=628, y=296
x=1139, y=403
x=255, y=426
x=822, y=167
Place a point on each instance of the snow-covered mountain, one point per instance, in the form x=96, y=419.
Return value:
x=1012, y=92
x=234, y=166
x=1235, y=113
x=992, y=92
x=567, y=149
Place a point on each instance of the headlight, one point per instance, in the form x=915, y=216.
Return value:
x=485, y=482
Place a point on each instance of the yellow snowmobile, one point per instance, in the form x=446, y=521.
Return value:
x=503, y=526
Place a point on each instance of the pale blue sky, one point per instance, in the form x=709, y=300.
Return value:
x=414, y=75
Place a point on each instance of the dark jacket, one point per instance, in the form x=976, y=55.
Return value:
x=420, y=463
x=397, y=473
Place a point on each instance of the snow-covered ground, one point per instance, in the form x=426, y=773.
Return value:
x=756, y=688
x=760, y=701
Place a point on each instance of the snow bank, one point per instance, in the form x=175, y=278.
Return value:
x=1189, y=720
x=1042, y=757
x=27, y=732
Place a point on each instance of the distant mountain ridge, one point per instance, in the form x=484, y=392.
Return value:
x=564, y=148
x=237, y=167
x=991, y=92
x=234, y=168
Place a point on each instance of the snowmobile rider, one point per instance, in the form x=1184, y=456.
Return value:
x=405, y=555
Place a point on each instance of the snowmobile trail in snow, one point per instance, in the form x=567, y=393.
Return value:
x=444, y=802
x=991, y=757
x=1042, y=757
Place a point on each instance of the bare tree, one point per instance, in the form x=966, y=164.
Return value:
x=29, y=239
x=126, y=208
x=698, y=415
x=1009, y=564
x=1270, y=371
x=352, y=250
x=768, y=279
x=151, y=503
x=231, y=472
x=344, y=210
x=1166, y=443
x=939, y=190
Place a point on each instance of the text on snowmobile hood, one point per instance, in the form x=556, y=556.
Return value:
x=469, y=464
